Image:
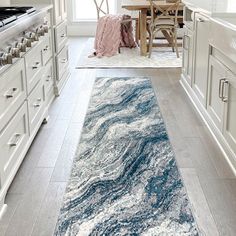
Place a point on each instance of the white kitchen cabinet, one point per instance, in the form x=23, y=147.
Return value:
x=212, y=85
x=57, y=12
x=47, y=48
x=63, y=9
x=216, y=79
x=201, y=55
x=60, y=11
x=59, y=35
x=12, y=91
x=13, y=140
x=187, y=67
x=34, y=65
x=229, y=97
x=36, y=107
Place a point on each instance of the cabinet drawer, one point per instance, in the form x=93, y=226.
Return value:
x=61, y=36
x=215, y=105
x=63, y=9
x=201, y=56
x=48, y=77
x=230, y=110
x=46, y=47
x=13, y=140
x=225, y=44
x=36, y=106
x=62, y=62
x=33, y=62
x=57, y=12
x=12, y=91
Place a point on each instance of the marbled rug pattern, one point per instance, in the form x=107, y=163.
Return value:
x=124, y=179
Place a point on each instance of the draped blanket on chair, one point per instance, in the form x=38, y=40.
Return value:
x=111, y=34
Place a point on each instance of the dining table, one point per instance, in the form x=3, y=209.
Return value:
x=143, y=6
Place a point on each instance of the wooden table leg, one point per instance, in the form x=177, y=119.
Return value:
x=143, y=32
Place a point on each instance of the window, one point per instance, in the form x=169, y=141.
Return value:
x=231, y=5
x=85, y=10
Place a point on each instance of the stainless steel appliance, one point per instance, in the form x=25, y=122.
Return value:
x=20, y=27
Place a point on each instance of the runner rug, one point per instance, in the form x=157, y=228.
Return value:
x=124, y=178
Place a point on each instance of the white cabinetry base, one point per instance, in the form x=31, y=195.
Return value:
x=219, y=138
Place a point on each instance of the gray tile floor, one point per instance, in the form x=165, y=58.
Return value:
x=35, y=195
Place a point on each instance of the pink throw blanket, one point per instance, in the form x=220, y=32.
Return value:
x=111, y=34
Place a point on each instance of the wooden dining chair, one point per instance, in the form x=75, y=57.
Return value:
x=163, y=19
x=102, y=7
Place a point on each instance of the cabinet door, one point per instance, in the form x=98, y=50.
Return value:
x=216, y=78
x=63, y=9
x=57, y=13
x=230, y=111
x=188, y=55
x=202, y=25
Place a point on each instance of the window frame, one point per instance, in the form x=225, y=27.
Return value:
x=74, y=19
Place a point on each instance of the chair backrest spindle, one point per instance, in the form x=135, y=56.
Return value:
x=158, y=12
x=102, y=7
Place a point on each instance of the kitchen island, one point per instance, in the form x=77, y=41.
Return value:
x=209, y=68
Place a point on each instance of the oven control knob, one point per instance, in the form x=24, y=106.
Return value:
x=13, y=51
x=45, y=28
x=26, y=42
x=22, y=44
x=31, y=36
x=16, y=52
x=41, y=30
x=5, y=58
x=2, y=59
x=34, y=36
x=19, y=47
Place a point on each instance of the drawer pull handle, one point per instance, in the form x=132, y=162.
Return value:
x=16, y=139
x=200, y=20
x=46, y=48
x=48, y=78
x=225, y=97
x=64, y=60
x=36, y=65
x=10, y=93
x=220, y=88
x=63, y=35
x=36, y=105
x=186, y=37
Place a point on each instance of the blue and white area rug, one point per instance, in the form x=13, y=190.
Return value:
x=124, y=179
